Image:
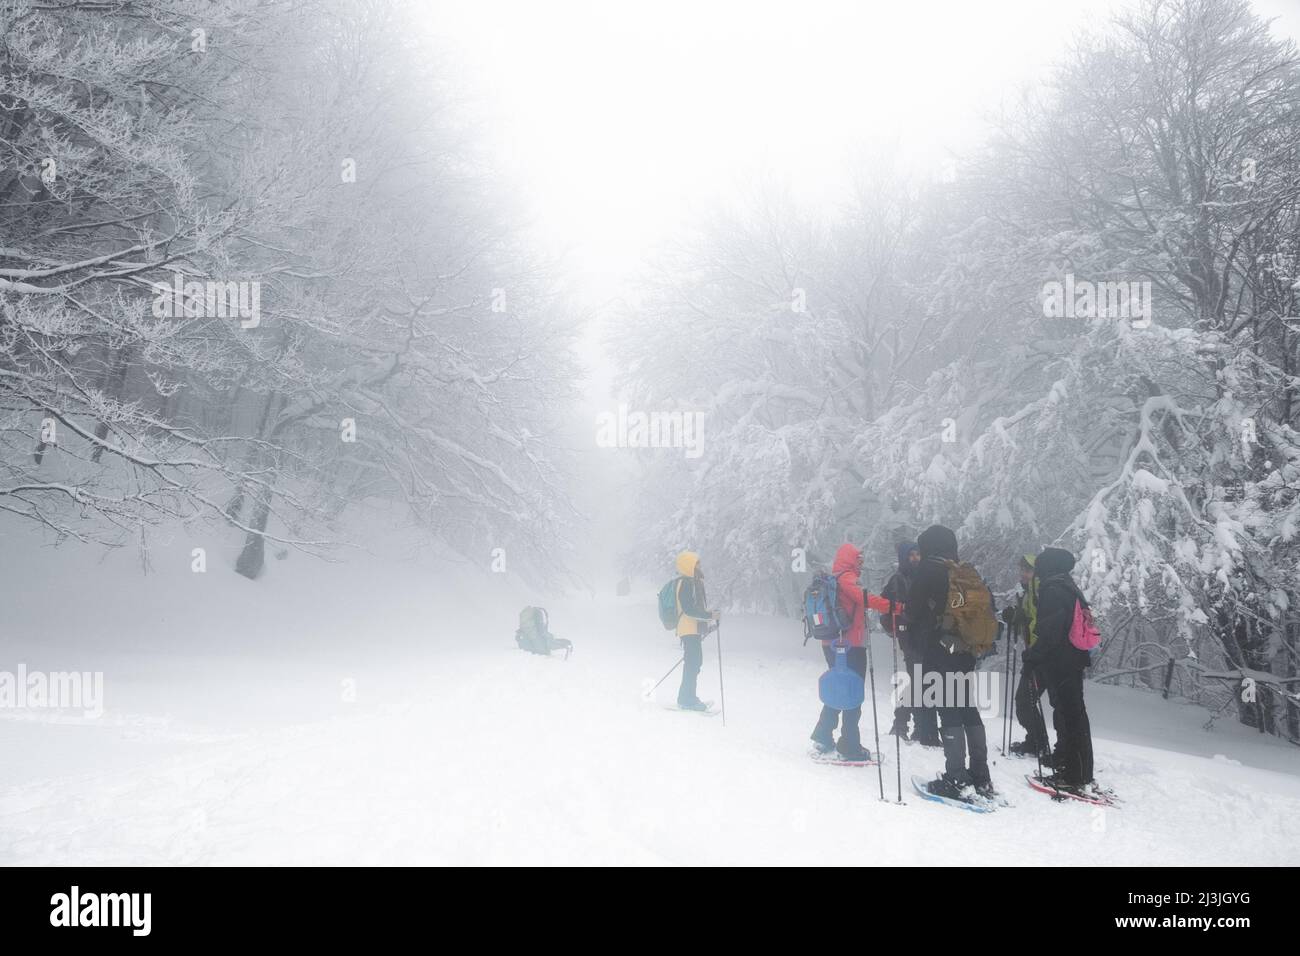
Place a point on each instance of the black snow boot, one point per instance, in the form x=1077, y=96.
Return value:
x=852, y=753
x=1058, y=782
x=1028, y=748
x=944, y=786
x=824, y=743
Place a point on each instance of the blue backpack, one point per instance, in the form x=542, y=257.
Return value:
x=840, y=688
x=822, y=618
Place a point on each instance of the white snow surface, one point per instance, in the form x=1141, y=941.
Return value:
x=226, y=738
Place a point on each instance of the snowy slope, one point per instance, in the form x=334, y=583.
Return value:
x=226, y=737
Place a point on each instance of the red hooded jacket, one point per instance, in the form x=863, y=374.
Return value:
x=854, y=602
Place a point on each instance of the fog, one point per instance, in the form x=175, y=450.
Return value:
x=337, y=339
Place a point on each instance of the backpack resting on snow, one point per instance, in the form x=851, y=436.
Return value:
x=534, y=634
x=969, y=611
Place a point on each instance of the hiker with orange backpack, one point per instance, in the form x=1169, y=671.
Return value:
x=951, y=618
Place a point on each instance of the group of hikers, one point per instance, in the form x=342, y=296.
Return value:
x=916, y=609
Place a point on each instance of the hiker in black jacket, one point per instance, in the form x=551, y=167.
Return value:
x=926, y=729
x=960, y=725
x=1060, y=665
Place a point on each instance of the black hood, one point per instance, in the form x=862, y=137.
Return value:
x=904, y=549
x=1053, y=561
x=937, y=541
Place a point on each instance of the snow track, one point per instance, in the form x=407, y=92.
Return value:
x=459, y=749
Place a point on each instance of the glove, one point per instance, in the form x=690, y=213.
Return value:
x=1008, y=615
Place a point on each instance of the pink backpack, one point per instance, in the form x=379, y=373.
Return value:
x=1083, y=632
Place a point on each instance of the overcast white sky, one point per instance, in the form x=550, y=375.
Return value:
x=618, y=118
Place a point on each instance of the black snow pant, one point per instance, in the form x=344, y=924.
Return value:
x=692, y=661
x=960, y=726
x=850, y=737
x=925, y=726
x=1073, y=755
x=1027, y=712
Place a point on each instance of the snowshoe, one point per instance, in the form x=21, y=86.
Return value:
x=832, y=757
x=1055, y=787
x=703, y=707
x=988, y=795
x=937, y=791
x=1095, y=789
x=941, y=786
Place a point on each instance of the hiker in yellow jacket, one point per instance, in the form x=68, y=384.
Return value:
x=694, y=621
x=1023, y=621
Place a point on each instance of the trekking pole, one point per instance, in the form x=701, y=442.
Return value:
x=1038, y=701
x=1011, y=725
x=722, y=693
x=893, y=654
x=1006, y=693
x=650, y=693
x=871, y=669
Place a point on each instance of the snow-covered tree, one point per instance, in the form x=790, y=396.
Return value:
x=307, y=162
x=787, y=332
x=1161, y=446
x=939, y=373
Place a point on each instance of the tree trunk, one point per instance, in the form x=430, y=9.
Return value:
x=253, y=558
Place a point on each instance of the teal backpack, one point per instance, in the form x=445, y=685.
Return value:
x=534, y=633
x=668, y=604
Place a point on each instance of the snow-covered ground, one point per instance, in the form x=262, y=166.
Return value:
x=227, y=736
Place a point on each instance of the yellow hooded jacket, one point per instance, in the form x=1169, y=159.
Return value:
x=1029, y=605
x=690, y=596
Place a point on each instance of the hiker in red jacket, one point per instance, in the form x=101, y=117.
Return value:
x=854, y=603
